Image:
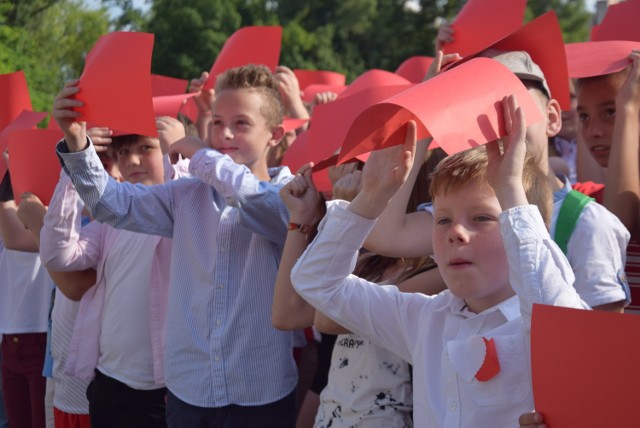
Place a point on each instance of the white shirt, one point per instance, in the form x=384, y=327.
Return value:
x=125, y=338
x=437, y=334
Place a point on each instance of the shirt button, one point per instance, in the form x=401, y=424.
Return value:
x=453, y=406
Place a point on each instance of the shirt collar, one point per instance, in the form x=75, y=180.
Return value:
x=509, y=308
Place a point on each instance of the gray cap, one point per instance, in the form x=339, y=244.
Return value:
x=520, y=63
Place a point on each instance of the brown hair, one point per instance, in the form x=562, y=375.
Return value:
x=470, y=166
x=260, y=79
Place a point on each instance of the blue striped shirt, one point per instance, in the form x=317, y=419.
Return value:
x=228, y=231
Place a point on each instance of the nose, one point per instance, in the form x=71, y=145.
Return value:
x=458, y=234
x=595, y=128
x=227, y=134
x=132, y=159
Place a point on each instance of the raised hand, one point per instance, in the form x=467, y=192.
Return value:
x=348, y=186
x=301, y=197
x=67, y=118
x=101, y=138
x=170, y=130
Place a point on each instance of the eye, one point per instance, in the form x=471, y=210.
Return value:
x=216, y=122
x=583, y=117
x=483, y=218
x=610, y=112
x=443, y=221
x=123, y=152
x=242, y=123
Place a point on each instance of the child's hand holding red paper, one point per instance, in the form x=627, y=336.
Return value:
x=75, y=133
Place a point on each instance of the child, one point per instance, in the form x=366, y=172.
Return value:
x=595, y=249
x=608, y=115
x=484, y=256
x=228, y=226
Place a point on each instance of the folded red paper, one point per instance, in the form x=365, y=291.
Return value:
x=415, y=68
x=620, y=22
x=164, y=85
x=589, y=59
x=584, y=367
x=169, y=105
x=319, y=77
x=481, y=23
x=457, y=108
x=33, y=162
x=116, y=84
x=25, y=120
x=248, y=45
x=15, y=97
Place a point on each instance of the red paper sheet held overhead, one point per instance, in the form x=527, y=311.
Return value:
x=456, y=108
x=248, y=45
x=169, y=105
x=481, y=23
x=620, y=22
x=15, y=97
x=415, y=68
x=598, y=58
x=25, y=120
x=33, y=162
x=319, y=77
x=584, y=367
x=116, y=84
x=164, y=85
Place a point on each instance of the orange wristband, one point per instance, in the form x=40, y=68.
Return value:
x=303, y=228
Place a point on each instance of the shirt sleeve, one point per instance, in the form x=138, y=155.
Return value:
x=139, y=208
x=322, y=276
x=261, y=208
x=64, y=244
x=538, y=270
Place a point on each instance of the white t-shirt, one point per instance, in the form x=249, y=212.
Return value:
x=125, y=339
x=368, y=387
x=25, y=292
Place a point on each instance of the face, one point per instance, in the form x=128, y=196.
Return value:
x=141, y=162
x=597, y=114
x=468, y=247
x=240, y=130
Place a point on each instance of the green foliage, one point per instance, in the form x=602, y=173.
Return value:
x=573, y=16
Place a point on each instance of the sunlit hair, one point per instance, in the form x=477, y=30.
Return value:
x=260, y=79
x=470, y=166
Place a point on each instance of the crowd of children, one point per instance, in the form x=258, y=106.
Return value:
x=185, y=279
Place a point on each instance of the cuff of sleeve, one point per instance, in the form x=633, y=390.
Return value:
x=523, y=223
x=201, y=156
x=342, y=225
x=77, y=161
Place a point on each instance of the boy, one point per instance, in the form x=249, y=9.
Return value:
x=440, y=335
x=595, y=249
x=223, y=361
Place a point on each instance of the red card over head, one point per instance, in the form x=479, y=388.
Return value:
x=169, y=105
x=481, y=23
x=456, y=108
x=164, y=85
x=116, y=84
x=311, y=91
x=415, y=68
x=598, y=58
x=319, y=77
x=33, y=163
x=291, y=124
x=248, y=45
x=620, y=22
x=15, y=97
x=25, y=120
x=585, y=360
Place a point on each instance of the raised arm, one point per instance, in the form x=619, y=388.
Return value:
x=72, y=284
x=622, y=190
x=289, y=310
x=14, y=234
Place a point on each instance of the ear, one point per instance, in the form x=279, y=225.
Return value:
x=554, y=118
x=277, y=134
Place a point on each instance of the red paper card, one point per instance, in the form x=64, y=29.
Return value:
x=456, y=108
x=584, y=367
x=481, y=23
x=33, y=162
x=319, y=77
x=248, y=45
x=330, y=124
x=290, y=124
x=15, y=97
x=164, y=85
x=25, y=120
x=415, y=68
x=598, y=58
x=169, y=105
x=374, y=78
x=116, y=84
x=620, y=22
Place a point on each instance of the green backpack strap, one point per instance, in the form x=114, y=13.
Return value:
x=568, y=217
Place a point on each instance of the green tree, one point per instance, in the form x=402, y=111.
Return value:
x=573, y=15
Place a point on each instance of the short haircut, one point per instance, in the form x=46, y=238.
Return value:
x=121, y=141
x=260, y=79
x=470, y=166
x=582, y=80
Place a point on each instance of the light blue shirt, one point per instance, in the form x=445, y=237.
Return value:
x=228, y=231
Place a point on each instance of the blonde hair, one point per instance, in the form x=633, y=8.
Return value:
x=470, y=166
x=260, y=79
